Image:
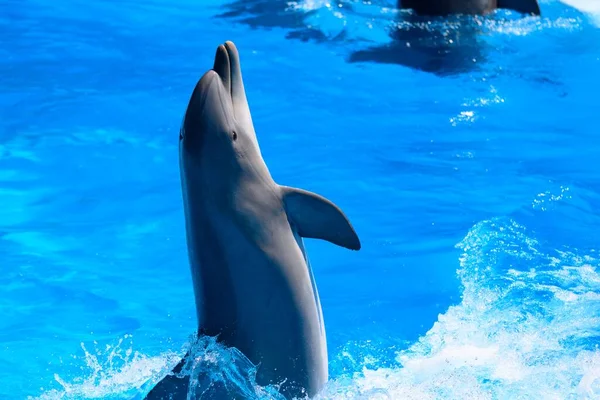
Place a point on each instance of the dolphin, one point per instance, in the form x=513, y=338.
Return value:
x=253, y=284
x=477, y=7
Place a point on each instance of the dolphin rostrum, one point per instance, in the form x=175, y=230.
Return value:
x=253, y=284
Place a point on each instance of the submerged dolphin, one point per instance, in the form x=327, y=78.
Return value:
x=477, y=7
x=253, y=284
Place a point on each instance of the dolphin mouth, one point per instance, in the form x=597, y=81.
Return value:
x=223, y=66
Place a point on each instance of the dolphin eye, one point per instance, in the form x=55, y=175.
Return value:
x=234, y=135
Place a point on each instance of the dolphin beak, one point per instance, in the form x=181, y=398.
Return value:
x=228, y=70
x=222, y=67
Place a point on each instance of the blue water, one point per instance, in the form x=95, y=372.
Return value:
x=471, y=176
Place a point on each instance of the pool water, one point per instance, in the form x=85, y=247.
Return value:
x=468, y=165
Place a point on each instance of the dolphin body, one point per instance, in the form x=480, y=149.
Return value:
x=253, y=284
x=477, y=7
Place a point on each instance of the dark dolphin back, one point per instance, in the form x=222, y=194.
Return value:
x=448, y=7
x=476, y=7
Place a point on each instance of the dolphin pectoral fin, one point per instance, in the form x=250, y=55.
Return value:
x=316, y=217
x=522, y=6
x=171, y=386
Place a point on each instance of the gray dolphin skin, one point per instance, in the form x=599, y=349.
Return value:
x=476, y=7
x=253, y=284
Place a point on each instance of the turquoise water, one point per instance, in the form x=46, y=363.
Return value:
x=467, y=164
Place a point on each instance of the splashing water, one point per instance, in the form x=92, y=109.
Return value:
x=116, y=372
x=213, y=366
x=111, y=372
x=519, y=332
x=372, y=21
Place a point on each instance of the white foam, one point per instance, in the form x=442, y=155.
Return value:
x=590, y=7
x=587, y=6
x=511, y=336
x=113, y=372
x=524, y=329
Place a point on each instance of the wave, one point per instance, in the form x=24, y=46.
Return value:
x=526, y=327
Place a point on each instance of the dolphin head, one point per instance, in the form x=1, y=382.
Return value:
x=217, y=134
